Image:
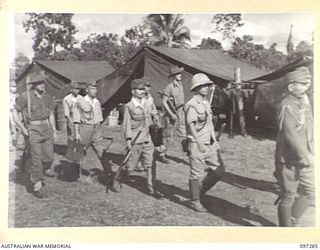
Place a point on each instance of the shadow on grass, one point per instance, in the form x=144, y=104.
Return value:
x=177, y=160
x=218, y=207
x=245, y=182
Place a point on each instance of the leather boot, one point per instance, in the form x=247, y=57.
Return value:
x=300, y=205
x=195, y=204
x=116, y=184
x=151, y=183
x=284, y=215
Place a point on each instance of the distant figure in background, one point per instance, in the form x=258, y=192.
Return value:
x=294, y=156
x=69, y=102
x=39, y=128
x=202, y=144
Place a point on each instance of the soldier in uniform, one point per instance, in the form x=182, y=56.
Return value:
x=87, y=119
x=69, y=102
x=159, y=146
x=294, y=149
x=173, y=100
x=40, y=131
x=137, y=116
x=203, y=146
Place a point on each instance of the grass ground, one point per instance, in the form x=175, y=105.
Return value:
x=244, y=197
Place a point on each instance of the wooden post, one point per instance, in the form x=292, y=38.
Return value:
x=239, y=101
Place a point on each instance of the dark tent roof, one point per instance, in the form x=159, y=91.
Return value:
x=60, y=73
x=210, y=61
x=155, y=62
x=270, y=90
x=80, y=71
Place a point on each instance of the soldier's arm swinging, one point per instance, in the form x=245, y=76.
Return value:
x=52, y=122
x=17, y=120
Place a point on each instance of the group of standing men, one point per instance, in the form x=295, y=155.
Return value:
x=192, y=121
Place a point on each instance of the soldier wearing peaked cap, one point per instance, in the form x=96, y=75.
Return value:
x=202, y=144
x=137, y=117
x=40, y=130
x=294, y=149
x=87, y=119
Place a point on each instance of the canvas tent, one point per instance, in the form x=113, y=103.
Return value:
x=155, y=62
x=61, y=73
x=270, y=89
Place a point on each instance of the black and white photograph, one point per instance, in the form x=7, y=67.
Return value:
x=161, y=119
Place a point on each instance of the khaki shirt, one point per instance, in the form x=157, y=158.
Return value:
x=295, y=131
x=69, y=103
x=87, y=111
x=199, y=113
x=135, y=119
x=41, y=108
x=175, y=93
x=148, y=100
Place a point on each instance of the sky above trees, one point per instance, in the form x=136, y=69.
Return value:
x=266, y=29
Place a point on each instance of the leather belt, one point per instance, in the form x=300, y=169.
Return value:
x=90, y=125
x=39, y=122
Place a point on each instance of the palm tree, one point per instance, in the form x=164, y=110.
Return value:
x=167, y=30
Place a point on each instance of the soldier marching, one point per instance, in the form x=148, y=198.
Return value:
x=142, y=129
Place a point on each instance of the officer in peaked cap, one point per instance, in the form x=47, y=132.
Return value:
x=136, y=131
x=87, y=119
x=39, y=129
x=294, y=156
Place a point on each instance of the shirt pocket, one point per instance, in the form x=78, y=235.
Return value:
x=137, y=114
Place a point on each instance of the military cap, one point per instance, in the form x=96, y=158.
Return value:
x=147, y=80
x=74, y=85
x=35, y=78
x=174, y=70
x=138, y=84
x=92, y=83
x=300, y=75
x=199, y=80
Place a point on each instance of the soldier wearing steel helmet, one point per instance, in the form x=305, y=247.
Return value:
x=294, y=149
x=203, y=147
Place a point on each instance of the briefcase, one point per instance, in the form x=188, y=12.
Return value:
x=75, y=151
x=156, y=134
